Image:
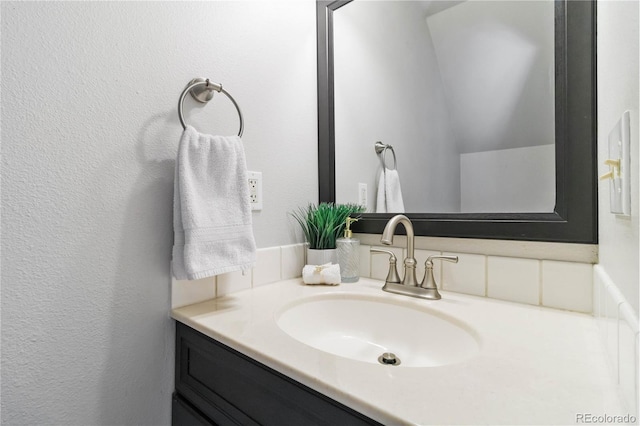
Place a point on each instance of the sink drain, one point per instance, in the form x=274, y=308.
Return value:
x=389, y=358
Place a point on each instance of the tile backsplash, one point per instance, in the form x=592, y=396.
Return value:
x=471, y=279
x=567, y=285
x=513, y=279
x=272, y=264
x=556, y=284
x=551, y=283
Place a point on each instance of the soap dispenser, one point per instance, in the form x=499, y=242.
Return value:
x=349, y=255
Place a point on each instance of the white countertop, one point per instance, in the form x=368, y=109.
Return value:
x=535, y=366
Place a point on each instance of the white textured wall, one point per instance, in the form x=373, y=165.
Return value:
x=89, y=94
x=618, y=74
x=388, y=88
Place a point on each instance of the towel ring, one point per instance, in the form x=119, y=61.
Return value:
x=204, y=95
x=381, y=150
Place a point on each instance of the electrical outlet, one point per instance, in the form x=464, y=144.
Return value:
x=362, y=194
x=255, y=190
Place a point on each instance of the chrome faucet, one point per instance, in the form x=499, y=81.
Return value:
x=429, y=281
x=409, y=286
x=410, y=261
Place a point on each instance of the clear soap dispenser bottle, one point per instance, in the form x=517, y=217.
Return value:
x=349, y=255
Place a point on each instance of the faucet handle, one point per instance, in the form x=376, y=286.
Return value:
x=392, y=275
x=429, y=281
x=429, y=263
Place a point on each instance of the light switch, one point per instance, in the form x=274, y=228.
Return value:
x=619, y=164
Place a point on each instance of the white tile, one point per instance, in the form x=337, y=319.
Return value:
x=597, y=294
x=637, y=358
x=468, y=276
x=421, y=257
x=292, y=261
x=184, y=292
x=610, y=321
x=365, y=261
x=267, y=269
x=599, y=300
x=567, y=285
x=233, y=282
x=628, y=358
x=513, y=279
x=380, y=262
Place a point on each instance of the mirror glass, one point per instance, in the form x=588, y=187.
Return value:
x=524, y=99
x=460, y=96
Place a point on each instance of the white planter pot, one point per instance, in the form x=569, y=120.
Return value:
x=320, y=257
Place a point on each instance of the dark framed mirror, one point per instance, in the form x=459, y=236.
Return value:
x=574, y=216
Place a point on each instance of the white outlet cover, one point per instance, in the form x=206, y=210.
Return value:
x=255, y=192
x=363, y=195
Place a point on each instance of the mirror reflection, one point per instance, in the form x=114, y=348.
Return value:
x=459, y=95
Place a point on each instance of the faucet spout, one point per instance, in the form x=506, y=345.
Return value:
x=410, y=261
x=390, y=229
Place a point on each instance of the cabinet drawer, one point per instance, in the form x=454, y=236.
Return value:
x=184, y=414
x=246, y=392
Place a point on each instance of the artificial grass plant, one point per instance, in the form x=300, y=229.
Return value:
x=325, y=223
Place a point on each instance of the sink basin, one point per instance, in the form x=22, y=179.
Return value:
x=365, y=327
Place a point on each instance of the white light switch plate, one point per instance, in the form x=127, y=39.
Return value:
x=619, y=186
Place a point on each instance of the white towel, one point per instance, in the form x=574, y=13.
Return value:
x=389, y=198
x=321, y=274
x=211, y=213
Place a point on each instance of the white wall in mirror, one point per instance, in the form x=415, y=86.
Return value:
x=494, y=180
x=496, y=61
x=439, y=87
x=384, y=91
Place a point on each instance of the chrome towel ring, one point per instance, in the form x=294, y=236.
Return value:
x=381, y=150
x=202, y=91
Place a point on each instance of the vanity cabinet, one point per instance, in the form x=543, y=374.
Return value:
x=218, y=385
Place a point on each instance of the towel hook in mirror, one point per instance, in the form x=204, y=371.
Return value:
x=381, y=150
x=202, y=91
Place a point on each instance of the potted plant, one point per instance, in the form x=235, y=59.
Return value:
x=321, y=226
